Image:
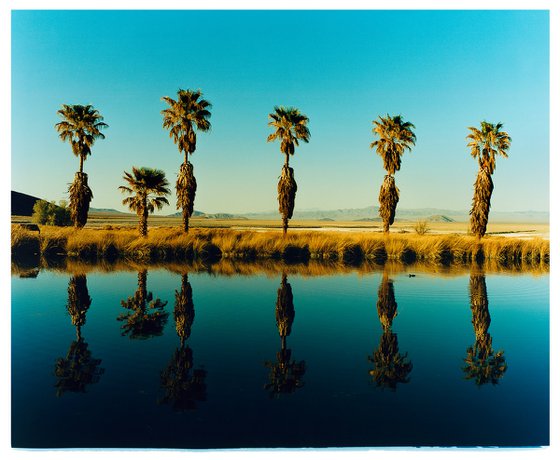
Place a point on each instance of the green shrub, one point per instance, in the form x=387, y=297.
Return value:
x=46, y=213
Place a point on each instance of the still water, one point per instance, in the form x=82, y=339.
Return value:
x=158, y=359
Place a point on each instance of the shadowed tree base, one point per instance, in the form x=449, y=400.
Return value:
x=80, y=198
x=287, y=189
x=388, y=199
x=186, y=191
x=480, y=211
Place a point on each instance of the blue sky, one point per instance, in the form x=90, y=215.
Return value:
x=443, y=71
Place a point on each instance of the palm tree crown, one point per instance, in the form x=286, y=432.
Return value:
x=486, y=142
x=149, y=187
x=290, y=127
x=395, y=135
x=81, y=125
x=185, y=114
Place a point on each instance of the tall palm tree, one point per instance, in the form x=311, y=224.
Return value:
x=482, y=363
x=286, y=375
x=183, y=117
x=395, y=135
x=149, y=187
x=390, y=366
x=81, y=126
x=485, y=143
x=290, y=127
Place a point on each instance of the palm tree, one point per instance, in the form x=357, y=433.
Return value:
x=482, y=364
x=149, y=187
x=185, y=114
x=290, y=127
x=485, y=143
x=390, y=366
x=81, y=125
x=395, y=135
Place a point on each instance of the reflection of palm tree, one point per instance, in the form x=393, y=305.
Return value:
x=183, y=389
x=78, y=301
x=184, y=309
x=482, y=364
x=145, y=317
x=285, y=375
x=390, y=367
x=78, y=368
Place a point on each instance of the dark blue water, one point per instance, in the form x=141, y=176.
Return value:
x=334, y=361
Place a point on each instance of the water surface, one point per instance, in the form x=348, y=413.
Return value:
x=159, y=359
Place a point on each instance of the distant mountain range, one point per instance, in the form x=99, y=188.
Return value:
x=371, y=213
x=22, y=205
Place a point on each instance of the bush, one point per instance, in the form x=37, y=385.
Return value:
x=46, y=213
x=421, y=227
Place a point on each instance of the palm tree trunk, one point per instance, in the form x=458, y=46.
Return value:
x=388, y=199
x=287, y=189
x=186, y=192
x=81, y=164
x=480, y=210
x=80, y=198
x=143, y=223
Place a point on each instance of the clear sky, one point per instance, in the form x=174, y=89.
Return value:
x=441, y=70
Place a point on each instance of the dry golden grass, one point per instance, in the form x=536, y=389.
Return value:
x=350, y=248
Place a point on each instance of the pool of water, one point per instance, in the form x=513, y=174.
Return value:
x=160, y=359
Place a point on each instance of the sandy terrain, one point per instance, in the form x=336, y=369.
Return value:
x=518, y=230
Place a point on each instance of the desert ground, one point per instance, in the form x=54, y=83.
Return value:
x=514, y=229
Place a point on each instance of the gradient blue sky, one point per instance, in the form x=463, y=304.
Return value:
x=443, y=71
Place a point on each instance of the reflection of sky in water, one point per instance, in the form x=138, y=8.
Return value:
x=234, y=333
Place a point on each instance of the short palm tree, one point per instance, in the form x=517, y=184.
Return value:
x=290, y=127
x=190, y=112
x=148, y=187
x=395, y=135
x=485, y=143
x=81, y=126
